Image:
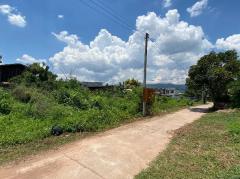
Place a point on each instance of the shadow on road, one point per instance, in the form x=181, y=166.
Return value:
x=201, y=110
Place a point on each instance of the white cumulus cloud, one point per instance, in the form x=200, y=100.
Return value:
x=167, y=3
x=230, y=43
x=197, y=8
x=17, y=20
x=176, y=46
x=27, y=59
x=6, y=9
x=13, y=16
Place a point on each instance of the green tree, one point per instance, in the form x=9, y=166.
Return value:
x=234, y=92
x=212, y=74
x=38, y=75
x=131, y=83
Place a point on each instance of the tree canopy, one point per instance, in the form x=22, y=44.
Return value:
x=212, y=74
x=131, y=83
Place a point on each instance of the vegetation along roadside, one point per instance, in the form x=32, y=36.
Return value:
x=37, y=106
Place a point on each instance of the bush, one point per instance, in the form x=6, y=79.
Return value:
x=5, y=102
x=80, y=102
x=22, y=94
x=189, y=103
x=5, y=107
x=234, y=91
x=39, y=107
x=164, y=104
x=62, y=96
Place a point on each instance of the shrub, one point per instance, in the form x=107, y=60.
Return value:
x=190, y=103
x=58, y=112
x=98, y=102
x=5, y=102
x=39, y=107
x=62, y=96
x=22, y=94
x=5, y=107
x=80, y=102
x=234, y=91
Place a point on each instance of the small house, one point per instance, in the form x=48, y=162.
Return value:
x=8, y=71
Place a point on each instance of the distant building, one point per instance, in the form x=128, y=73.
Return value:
x=170, y=92
x=8, y=71
x=95, y=85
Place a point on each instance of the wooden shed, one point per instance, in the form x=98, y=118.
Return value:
x=8, y=71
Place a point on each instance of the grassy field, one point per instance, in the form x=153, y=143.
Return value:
x=208, y=148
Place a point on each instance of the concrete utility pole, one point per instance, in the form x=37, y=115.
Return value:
x=145, y=73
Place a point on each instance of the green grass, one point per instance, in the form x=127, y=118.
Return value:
x=209, y=148
x=165, y=104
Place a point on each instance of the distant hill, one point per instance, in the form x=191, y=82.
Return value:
x=181, y=88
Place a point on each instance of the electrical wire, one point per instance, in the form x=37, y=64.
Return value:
x=111, y=11
x=96, y=7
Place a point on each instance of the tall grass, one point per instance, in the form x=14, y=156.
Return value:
x=29, y=113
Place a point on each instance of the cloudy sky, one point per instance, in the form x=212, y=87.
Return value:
x=103, y=40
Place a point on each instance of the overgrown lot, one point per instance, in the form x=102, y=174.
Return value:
x=37, y=103
x=208, y=148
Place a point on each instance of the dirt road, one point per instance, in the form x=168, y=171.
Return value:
x=118, y=153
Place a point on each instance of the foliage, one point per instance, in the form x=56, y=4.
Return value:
x=234, y=92
x=167, y=104
x=131, y=83
x=38, y=103
x=234, y=130
x=37, y=75
x=212, y=74
x=22, y=94
x=5, y=102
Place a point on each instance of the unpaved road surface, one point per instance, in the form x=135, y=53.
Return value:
x=118, y=153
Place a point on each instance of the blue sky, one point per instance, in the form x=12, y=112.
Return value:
x=35, y=38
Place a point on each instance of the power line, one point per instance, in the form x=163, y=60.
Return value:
x=112, y=12
x=100, y=10
x=121, y=20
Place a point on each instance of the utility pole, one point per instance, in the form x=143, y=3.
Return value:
x=145, y=73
